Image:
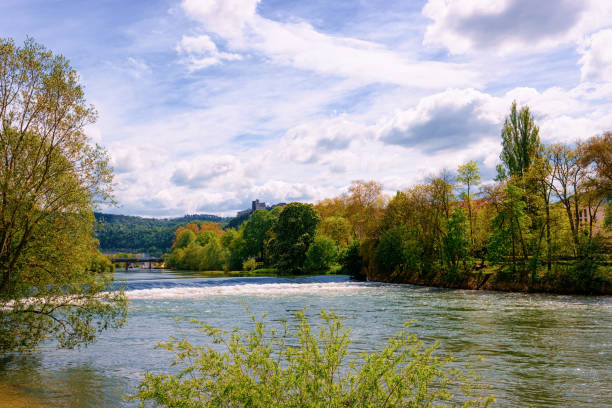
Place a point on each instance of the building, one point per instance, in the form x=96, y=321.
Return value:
x=256, y=205
x=243, y=212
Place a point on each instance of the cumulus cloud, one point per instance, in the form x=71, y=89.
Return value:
x=308, y=142
x=202, y=52
x=300, y=45
x=511, y=25
x=596, y=58
x=448, y=120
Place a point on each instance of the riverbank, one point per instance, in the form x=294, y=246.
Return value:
x=492, y=280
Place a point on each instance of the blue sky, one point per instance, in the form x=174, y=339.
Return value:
x=205, y=105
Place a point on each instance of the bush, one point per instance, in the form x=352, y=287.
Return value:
x=249, y=265
x=259, y=369
x=99, y=263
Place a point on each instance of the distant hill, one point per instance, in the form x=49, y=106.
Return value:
x=153, y=236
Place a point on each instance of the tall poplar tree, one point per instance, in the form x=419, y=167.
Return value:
x=520, y=140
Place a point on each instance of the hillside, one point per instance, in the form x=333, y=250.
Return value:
x=153, y=236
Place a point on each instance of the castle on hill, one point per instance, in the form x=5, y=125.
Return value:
x=257, y=205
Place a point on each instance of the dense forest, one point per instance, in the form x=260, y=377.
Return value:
x=153, y=236
x=543, y=224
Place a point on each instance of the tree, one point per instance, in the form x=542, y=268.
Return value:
x=566, y=183
x=511, y=226
x=50, y=180
x=204, y=237
x=337, y=228
x=455, y=241
x=294, y=232
x=321, y=255
x=468, y=175
x=520, y=141
x=364, y=200
x=350, y=260
x=255, y=230
x=597, y=153
x=184, y=238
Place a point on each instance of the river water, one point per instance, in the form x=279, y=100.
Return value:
x=540, y=350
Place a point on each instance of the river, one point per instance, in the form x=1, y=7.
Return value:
x=540, y=350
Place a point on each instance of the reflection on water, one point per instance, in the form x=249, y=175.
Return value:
x=543, y=350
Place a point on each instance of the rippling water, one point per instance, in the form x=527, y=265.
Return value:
x=543, y=350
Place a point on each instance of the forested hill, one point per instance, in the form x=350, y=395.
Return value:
x=153, y=236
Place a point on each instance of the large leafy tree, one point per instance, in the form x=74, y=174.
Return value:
x=294, y=232
x=255, y=231
x=50, y=179
x=596, y=155
x=520, y=140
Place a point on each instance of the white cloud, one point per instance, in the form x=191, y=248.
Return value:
x=506, y=26
x=201, y=170
x=596, y=58
x=226, y=17
x=300, y=45
x=202, y=52
x=307, y=142
x=444, y=121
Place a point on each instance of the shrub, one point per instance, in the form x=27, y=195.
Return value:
x=249, y=265
x=259, y=368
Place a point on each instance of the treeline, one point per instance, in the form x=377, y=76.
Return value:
x=152, y=236
x=543, y=224
x=286, y=238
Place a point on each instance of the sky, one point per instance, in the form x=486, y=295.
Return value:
x=205, y=105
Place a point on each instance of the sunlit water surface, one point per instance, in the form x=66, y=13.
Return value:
x=541, y=350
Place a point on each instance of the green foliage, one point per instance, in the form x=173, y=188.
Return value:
x=300, y=367
x=50, y=179
x=399, y=250
x=337, y=228
x=511, y=232
x=350, y=260
x=189, y=254
x=294, y=232
x=184, y=239
x=99, y=263
x=469, y=176
x=213, y=257
x=456, y=242
x=321, y=255
x=255, y=231
x=249, y=265
x=153, y=236
x=237, y=251
x=204, y=237
x=520, y=141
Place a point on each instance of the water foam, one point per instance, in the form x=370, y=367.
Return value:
x=262, y=289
